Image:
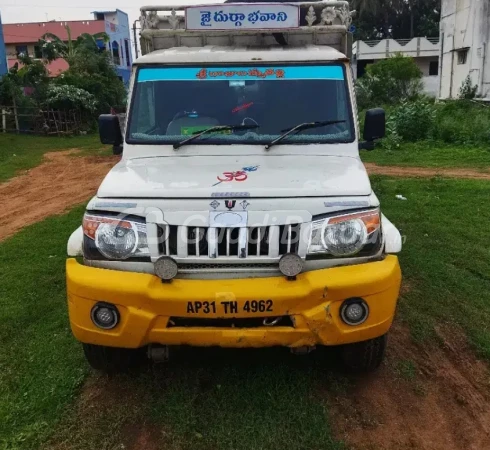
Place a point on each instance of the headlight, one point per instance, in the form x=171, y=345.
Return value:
x=116, y=238
x=345, y=235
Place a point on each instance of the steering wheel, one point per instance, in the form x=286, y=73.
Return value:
x=193, y=114
x=249, y=121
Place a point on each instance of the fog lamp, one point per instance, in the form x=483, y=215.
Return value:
x=354, y=311
x=105, y=316
x=290, y=265
x=166, y=268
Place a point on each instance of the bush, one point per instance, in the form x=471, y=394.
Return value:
x=389, y=81
x=462, y=122
x=467, y=90
x=413, y=121
x=70, y=97
x=393, y=140
x=458, y=122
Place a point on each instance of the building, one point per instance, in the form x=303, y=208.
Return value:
x=24, y=37
x=424, y=51
x=3, y=54
x=464, y=42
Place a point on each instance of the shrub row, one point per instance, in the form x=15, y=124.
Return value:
x=456, y=122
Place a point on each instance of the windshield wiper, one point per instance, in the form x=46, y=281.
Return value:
x=212, y=130
x=301, y=127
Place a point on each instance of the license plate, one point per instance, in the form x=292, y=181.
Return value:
x=230, y=307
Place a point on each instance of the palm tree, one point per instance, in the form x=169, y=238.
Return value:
x=54, y=47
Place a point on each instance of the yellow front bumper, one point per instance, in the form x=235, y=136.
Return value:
x=312, y=301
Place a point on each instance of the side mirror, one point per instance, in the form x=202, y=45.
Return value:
x=110, y=132
x=374, y=127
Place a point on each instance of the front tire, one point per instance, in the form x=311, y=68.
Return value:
x=365, y=356
x=110, y=360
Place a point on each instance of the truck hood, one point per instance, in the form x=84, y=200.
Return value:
x=251, y=175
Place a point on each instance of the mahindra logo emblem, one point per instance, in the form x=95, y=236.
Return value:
x=230, y=204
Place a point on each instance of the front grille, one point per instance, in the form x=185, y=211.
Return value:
x=271, y=241
x=253, y=322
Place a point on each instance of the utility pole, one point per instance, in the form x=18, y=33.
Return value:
x=135, y=39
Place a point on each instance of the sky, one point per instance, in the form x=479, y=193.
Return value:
x=13, y=11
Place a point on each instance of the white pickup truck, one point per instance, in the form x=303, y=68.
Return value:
x=240, y=214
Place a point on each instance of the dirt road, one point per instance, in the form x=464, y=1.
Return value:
x=62, y=181
x=423, y=172
x=440, y=401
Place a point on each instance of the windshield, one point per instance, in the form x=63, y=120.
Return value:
x=170, y=104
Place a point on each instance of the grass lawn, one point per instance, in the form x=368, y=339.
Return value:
x=22, y=152
x=40, y=365
x=224, y=399
x=446, y=256
x=430, y=154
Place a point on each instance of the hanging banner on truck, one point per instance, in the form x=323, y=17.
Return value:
x=256, y=16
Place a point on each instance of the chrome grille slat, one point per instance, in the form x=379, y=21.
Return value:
x=242, y=242
x=258, y=241
x=152, y=231
x=213, y=242
x=197, y=234
x=166, y=232
x=274, y=241
x=182, y=251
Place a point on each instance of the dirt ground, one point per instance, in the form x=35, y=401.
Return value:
x=62, y=181
x=396, y=171
x=442, y=405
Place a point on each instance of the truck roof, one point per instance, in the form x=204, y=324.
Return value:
x=227, y=54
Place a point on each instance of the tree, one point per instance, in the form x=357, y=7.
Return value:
x=27, y=72
x=95, y=73
x=33, y=74
x=11, y=87
x=389, y=81
x=11, y=84
x=54, y=48
x=91, y=68
x=397, y=19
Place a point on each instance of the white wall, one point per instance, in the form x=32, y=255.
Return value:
x=465, y=24
x=419, y=46
x=431, y=85
x=431, y=82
